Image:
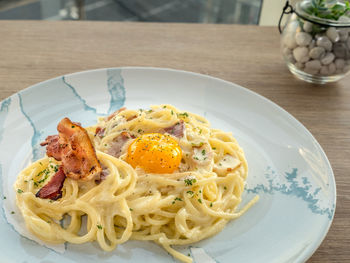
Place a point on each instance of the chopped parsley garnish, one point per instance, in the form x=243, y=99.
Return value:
x=190, y=181
x=196, y=158
x=184, y=114
x=211, y=204
x=46, y=171
x=4, y=197
x=189, y=254
x=19, y=191
x=164, y=106
x=12, y=212
x=200, y=200
x=73, y=126
x=225, y=187
x=172, y=112
x=99, y=226
x=203, y=152
x=176, y=199
x=44, y=179
x=131, y=209
x=190, y=192
x=214, y=148
x=139, y=130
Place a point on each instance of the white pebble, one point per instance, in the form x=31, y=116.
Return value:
x=339, y=63
x=317, y=52
x=348, y=43
x=324, y=42
x=332, y=34
x=331, y=68
x=289, y=41
x=311, y=71
x=299, y=65
x=290, y=58
x=340, y=50
x=303, y=39
x=343, y=34
x=324, y=71
x=345, y=19
x=328, y=58
x=346, y=68
x=301, y=54
x=338, y=71
x=312, y=44
x=286, y=51
x=313, y=64
x=307, y=26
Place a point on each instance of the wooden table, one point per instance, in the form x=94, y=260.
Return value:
x=33, y=51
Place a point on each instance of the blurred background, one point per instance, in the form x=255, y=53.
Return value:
x=258, y=12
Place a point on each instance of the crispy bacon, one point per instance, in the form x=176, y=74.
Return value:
x=131, y=118
x=73, y=147
x=177, y=129
x=118, y=144
x=52, y=190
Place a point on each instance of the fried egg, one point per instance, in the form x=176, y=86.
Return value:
x=155, y=153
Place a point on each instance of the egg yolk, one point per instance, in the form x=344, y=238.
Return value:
x=154, y=153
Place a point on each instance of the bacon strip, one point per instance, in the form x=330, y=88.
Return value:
x=118, y=144
x=52, y=190
x=177, y=129
x=73, y=147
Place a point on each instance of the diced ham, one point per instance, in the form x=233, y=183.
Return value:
x=75, y=150
x=100, y=132
x=118, y=143
x=114, y=113
x=52, y=190
x=177, y=129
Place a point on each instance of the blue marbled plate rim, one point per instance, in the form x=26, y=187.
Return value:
x=291, y=117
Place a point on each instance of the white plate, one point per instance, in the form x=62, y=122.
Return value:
x=287, y=167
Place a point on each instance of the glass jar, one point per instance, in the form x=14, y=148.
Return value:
x=315, y=49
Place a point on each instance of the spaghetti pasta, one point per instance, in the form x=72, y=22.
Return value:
x=188, y=204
